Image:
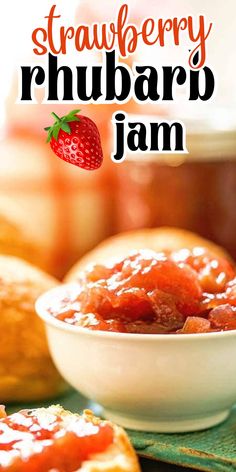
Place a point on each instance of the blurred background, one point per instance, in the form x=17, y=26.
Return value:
x=51, y=213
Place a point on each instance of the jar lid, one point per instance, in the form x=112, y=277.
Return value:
x=209, y=136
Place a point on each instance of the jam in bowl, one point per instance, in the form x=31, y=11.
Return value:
x=185, y=291
x=151, y=337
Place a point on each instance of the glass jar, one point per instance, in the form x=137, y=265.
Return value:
x=195, y=191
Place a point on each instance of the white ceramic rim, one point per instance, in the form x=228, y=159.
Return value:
x=62, y=325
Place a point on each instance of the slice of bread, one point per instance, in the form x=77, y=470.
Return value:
x=29, y=446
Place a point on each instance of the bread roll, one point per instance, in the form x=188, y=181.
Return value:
x=26, y=368
x=157, y=239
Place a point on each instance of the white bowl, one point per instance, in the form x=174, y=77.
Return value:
x=151, y=382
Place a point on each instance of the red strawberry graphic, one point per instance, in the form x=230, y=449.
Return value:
x=76, y=139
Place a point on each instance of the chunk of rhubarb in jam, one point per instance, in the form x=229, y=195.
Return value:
x=213, y=271
x=125, y=293
x=195, y=324
x=223, y=317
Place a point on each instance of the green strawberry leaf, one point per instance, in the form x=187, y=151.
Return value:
x=49, y=137
x=55, y=131
x=65, y=127
x=56, y=117
x=74, y=118
x=73, y=112
x=61, y=123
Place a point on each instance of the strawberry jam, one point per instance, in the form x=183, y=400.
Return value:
x=149, y=292
x=42, y=442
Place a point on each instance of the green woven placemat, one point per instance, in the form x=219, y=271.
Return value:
x=212, y=450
